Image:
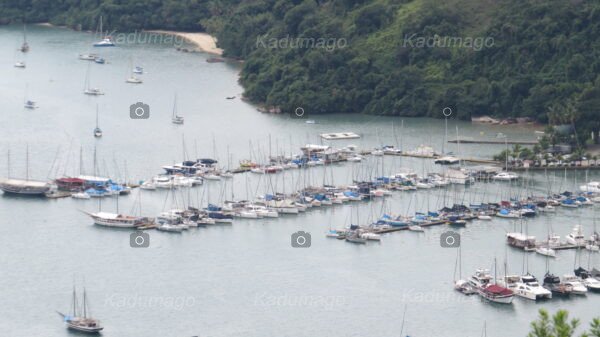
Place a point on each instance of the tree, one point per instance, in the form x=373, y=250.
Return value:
x=559, y=326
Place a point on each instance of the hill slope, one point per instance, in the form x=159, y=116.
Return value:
x=394, y=57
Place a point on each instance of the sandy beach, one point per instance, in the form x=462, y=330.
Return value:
x=204, y=42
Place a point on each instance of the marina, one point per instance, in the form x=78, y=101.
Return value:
x=220, y=195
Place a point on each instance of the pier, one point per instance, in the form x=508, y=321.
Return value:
x=496, y=142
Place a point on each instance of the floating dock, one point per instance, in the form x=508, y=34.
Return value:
x=490, y=141
x=339, y=135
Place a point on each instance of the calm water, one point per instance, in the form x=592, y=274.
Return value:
x=244, y=279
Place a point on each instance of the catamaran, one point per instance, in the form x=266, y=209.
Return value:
x=175, y=119
x=78, y=319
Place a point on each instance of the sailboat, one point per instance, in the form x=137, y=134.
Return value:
x=175, y=119
x=25, y=186
x=88, y=90
x=27, y=103
x=25, y=46
x=106, y=40
x=78, y=319
x=97, y=130
x=132, y=78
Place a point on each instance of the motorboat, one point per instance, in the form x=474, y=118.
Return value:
x=99, y=60
x=134, y=80
x=88, y=57
x=483, y=216
x=29, y=104
x=525, y=286
x=148, y=185
x=570, y=203
x=415, y=228
x=447, y=160
x=332, y=233
x=138, y=70
x=553, y=283
x=80, y=195
x=505, y=176
x=576, y=237
x=464, y=287
x=20, y=64
x=591, y=187
x=546, y=251
x=508, y=214
x=480, y=279
x=93, y=92
x=370, y=236
x=576, y=283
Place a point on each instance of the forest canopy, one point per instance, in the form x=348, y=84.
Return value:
x=504, y=58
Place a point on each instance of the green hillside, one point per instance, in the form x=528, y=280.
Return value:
x=504, y=58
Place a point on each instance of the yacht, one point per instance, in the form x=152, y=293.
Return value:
x=546, y=251
x=480, y=279
x=505, y=176
x=526, y=286
x=447, y=160
x=553, y=283
x=591, y=187
x=576, y=237
x=116, y=220
x=78, y=319
x=534, y=289
x=105, y=42
x=576, y=284
x=497, y=294
x=24, y=187
x=591, y=283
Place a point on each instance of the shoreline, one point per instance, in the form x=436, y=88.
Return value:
x=204, y=42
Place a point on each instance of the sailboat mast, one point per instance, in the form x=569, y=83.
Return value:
x=27, y=162
x=84, y=305
x=8, y=164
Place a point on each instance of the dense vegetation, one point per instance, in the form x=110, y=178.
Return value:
x=559, y=325
x=541, y=59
